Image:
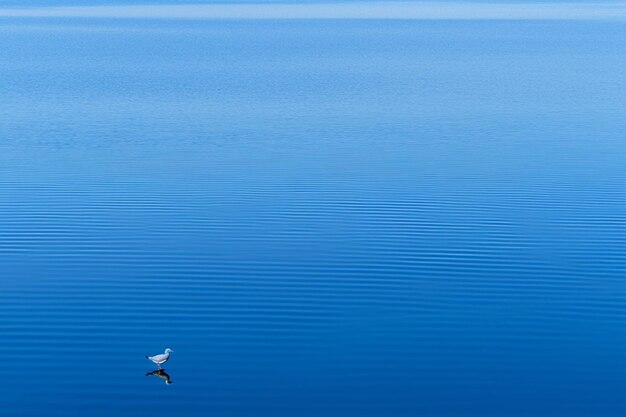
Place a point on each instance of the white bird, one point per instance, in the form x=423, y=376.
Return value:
x=162, y=358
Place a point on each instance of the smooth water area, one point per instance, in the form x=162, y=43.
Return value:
x=338, y=218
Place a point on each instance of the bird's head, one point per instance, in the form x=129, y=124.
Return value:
x=168, y=350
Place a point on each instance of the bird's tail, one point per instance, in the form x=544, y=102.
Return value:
x=147, y=357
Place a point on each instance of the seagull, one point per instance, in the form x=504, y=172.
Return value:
x=162, y=358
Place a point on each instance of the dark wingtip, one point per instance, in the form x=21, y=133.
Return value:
x=147, y=357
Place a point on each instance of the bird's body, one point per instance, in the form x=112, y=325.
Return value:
x=162, y=358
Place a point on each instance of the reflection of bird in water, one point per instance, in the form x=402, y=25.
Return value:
x=162, y=358
x=161, y=374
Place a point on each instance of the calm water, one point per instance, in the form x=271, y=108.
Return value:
x=335, y=218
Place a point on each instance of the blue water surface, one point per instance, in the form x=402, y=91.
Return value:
x=321, y=218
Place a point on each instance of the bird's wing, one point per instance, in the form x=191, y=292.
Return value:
x=158, y=358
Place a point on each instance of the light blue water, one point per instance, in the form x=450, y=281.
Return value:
x=320, y=217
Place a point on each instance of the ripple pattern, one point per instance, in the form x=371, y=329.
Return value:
x=321, y=218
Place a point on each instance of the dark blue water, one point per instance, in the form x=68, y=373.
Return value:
x=330, y=218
